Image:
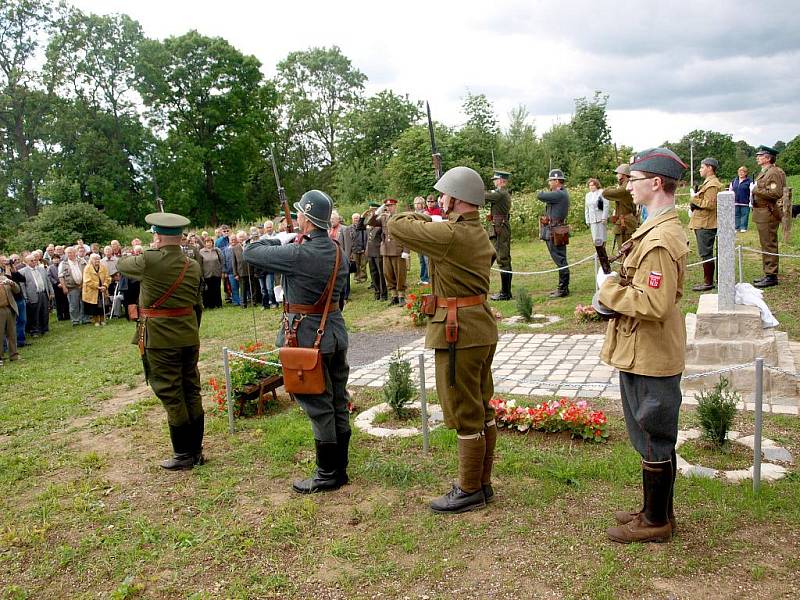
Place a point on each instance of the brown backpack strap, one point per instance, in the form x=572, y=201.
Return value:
x=327, y=298
x=165, y=296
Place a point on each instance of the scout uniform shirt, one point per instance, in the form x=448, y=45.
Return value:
x=648, y=337
x=625, y=210
x=769, y=188
x=705, y=216
x=463, y=256
x=158, y=269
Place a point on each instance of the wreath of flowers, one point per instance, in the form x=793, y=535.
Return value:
x=576, y=417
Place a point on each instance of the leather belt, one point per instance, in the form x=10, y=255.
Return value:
x=166, y=313
x=311, y=309
x=442, y=302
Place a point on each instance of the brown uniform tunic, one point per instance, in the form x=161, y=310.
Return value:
x=766, y=214
x=624, y=218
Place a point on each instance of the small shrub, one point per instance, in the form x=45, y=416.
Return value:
x=524, y=304
x=398, y=389
x=716, y=410
x=63, y=224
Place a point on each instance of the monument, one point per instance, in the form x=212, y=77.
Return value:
x=725, y=334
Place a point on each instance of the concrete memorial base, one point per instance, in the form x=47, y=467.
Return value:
x=716, y=339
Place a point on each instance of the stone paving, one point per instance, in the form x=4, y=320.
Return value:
x=536, y=364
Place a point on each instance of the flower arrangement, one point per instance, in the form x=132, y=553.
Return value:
x=586, y=313
x=576, y=417
x=245, y=375
x=414, y=308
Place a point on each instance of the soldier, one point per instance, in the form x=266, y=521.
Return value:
x=374, y=240
x=394, y=255
x=462, y=329
x=704, y=220
x=170, y=308
x=499, y=201
x=766, y=213
x=557, y=208
x=306, y=268
x=624, y=218
x=646, y=341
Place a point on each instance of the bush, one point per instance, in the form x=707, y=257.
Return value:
x=398, y=389
x=63, y=224
x=716, y=410
x=524, y=304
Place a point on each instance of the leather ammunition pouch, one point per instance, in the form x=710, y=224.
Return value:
x=560, y=235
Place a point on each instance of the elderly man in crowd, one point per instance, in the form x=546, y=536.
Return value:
x=38, y=294
x=62, y=305
x=358, y=246
x=70, y=274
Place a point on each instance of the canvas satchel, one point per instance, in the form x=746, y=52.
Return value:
x=302, y=367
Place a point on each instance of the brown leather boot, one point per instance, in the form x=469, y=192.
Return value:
x=468, y=494
x=490, y=434
x=652, y=524
x=708, y=278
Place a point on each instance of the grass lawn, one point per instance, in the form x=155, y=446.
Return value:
x=86, y=512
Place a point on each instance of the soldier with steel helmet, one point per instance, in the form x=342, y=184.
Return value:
x=306, y=267
x=461, y=328
x=169, y=311
x=553, y=228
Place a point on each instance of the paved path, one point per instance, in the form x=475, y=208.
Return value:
x=534, y=365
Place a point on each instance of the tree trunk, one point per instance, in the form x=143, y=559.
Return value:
x=23, y=153
x=211, y=193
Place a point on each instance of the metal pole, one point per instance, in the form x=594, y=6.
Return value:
x=691, y=166
x=759, y=393
x=423, y=402
x=741, y=268
x=226, y=367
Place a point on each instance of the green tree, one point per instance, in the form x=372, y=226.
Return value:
x=318, y=87
x=521, y=152
x=789, y=159
x=592, y=137
x=561, y=150
x=410, y=170
x=63, y=224
x=708, y=144
x=473, y=144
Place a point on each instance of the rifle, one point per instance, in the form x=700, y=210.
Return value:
x=437, y=158
x=281, y=193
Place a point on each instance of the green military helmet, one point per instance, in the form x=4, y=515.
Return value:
x=556, y=174
x=166, y=223
x=464, y=184
x=317, y=207
x=623, y=169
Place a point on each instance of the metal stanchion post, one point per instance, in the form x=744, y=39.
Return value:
x=226, y=366
x=423, y=402
x=759, y=394
x=741, y=267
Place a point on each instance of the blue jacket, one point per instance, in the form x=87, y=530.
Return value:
x=741, y=190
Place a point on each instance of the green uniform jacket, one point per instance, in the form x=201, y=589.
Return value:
x=462, y=257
x=158, y=270
x=624, y=210
x=769, y=187
x=499, y=202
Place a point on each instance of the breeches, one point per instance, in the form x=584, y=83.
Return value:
x=175, y=379
x=328, y=411
x=466, y=404
x=394, y=270
x=651, y=406
x=768, y=236
x=705, y=242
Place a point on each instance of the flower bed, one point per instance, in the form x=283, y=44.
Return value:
x=413, y=307
x=575, y=417
x=586, y=313
x=250, y=381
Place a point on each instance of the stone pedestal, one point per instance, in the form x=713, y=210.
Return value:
x=717, y=338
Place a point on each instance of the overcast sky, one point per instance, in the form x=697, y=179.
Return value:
x=668, y=67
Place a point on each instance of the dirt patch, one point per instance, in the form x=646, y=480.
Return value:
x=121, y=396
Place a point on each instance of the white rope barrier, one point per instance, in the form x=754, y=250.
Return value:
x=712, y=259
x=580, y=262
x=252, y=359
x=756, y=251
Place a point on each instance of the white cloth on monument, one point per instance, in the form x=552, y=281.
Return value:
x=752, y=296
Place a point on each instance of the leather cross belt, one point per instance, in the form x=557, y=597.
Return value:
x=166, y=313
x=441, y=301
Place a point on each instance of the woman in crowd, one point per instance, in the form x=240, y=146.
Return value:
x=740, y=186
x=596, y=212
x=338, y=233
x=212, y=274
x=95, y=288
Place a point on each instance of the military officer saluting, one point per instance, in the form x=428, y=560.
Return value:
x=499, y=201
x=167, y=333
x=394, y=254
x=766, y=213
x=462, y=329
x=552, y=229
x=624, y=218
x=646, y=341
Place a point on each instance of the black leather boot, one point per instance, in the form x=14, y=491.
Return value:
x=325, y=478
x=708, y=278
x=505, y=288
x=182, y=438
x=652, y=524
x=198, y=429
x=767, y=281
x=343, y=449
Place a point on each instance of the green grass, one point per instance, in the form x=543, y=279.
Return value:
x=85, y=511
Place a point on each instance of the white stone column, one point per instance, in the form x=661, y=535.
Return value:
x=726, y=251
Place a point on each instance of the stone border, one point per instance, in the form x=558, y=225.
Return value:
x=769, y=450
x=364, y=421
x=518, y=320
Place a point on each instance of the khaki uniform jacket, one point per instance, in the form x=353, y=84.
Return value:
x=389, y=246
x=157, y=269
x=624, y=209
x=769, y=187
x=462, y=257
x=649, y=336
x=705, y=217
x=8, y=292
x=92, y=280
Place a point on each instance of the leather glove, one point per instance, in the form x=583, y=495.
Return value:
x=602, y=277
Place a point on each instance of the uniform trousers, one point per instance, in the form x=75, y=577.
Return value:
x=8, y=333
x=767, y=227
x=394, y=270
x=175, y=379
x=328, y=411
x=360, y=259
x=376, y=274
x=559, y=256
x=465, y=405
x=705, y=242
x=22, y=321
x=651, y=406
x=501, y=238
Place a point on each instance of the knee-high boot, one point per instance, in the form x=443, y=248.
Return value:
x=652, y=524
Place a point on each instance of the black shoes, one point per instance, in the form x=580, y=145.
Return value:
x=766, y=281
x=458, y=501
x=327, y=476
x=559, y=293
x=187, y=446
x=505, y=288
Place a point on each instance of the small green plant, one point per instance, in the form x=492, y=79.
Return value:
x=398, y=389
x=524, y=304
x=716, y=410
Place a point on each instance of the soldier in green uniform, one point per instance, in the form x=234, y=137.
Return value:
x=499, y=201
x=462, y=329
x=704, y=220
x=624, y=218
x=170, y=308
x=766, y=212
